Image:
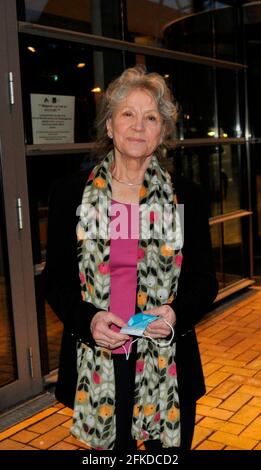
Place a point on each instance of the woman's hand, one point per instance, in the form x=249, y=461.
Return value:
x=102, y=333
x=158, y=328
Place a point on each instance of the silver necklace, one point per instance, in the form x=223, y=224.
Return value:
x=124, y=182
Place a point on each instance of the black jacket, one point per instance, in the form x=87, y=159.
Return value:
x=196, y=291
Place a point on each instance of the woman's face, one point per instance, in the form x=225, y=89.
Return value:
x=136, y=125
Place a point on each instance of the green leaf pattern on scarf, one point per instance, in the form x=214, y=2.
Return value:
x=94, y=418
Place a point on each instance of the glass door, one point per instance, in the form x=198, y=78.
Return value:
x=20, y=375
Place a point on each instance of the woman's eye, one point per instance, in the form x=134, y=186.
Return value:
x=152, y=118
x=127, y=114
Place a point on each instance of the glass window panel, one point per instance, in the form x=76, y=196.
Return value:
x=234, y=252
x=252, y=30
x=54, y=329
x=74, y=15
x=144, y=19
x=183, y=25
x=192, y=34
x=66, y=14
x=217, y=249
x=252, y=22
x=53, y=70
x=99, y=17
x=219, y=170
x=8, y=365
x=50, y=328
x=256, y=205
x=227, y=29
x=211, y=30
x=42, y=172
x=61, y=68
x=201, y=165
x=232, y=174
x=231, y=257
x=192, y=86
x=227, y=93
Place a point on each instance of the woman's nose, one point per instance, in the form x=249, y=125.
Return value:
x=138, y=123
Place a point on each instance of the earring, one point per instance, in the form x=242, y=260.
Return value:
x=110, y=134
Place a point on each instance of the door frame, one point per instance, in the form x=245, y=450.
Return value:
x=14, y=182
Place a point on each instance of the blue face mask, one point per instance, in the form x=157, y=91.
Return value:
x=138, y=324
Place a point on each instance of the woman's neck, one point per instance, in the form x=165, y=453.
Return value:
x=130, y=170
x=127, y=178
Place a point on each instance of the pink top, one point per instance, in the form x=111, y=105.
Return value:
x=123, y=262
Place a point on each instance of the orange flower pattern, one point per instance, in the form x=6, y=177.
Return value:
x=136, y=410
x=162, y=362
x=99, y=182
x=173, y=414
x=149, y=410
x=82, y=396
x=105, y=411
x=143, y=192
x=167, y=250
x=141, y=299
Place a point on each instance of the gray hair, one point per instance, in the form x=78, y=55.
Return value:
x=132, y=79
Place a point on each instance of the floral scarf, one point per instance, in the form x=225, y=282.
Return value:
x=156, y=402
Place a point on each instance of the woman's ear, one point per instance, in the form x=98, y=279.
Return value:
x=109, y=128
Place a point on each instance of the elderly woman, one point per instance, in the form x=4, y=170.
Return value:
x=117, y=263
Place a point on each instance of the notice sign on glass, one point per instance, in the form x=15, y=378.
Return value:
x=52, y=119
